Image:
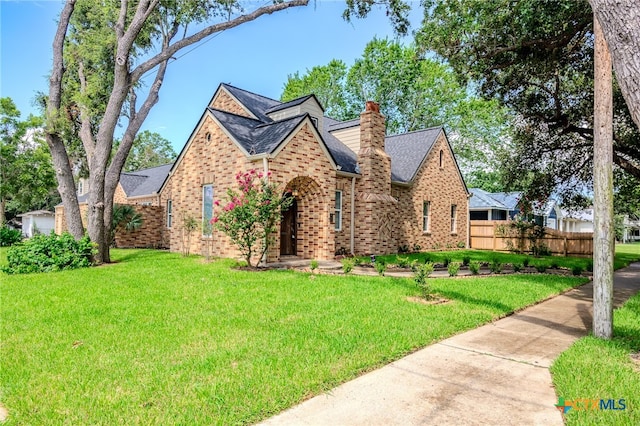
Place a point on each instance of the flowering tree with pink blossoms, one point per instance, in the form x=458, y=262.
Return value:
x=250, y=213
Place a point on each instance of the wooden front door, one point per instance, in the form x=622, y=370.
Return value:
x=288, y=231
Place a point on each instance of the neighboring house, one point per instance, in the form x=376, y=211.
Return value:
x=485, y=205
x=355, y=190
x=37, y=222
x=577, y=221
x=631, y=231
x=139, y=188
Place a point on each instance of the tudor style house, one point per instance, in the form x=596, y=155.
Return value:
x=356, y=190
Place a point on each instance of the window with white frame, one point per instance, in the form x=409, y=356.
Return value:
x=169, y=213
x=454, y=218
x=426, y=209
x=338, y=211
x=207, y=208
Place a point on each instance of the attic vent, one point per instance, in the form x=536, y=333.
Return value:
x=207, y=137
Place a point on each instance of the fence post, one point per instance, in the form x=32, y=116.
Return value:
x=565, y=246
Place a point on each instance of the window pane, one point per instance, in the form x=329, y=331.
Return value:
x=339, y=200
x=338, y=211
x=207, y=206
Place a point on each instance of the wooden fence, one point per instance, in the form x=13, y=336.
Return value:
x=485, y=235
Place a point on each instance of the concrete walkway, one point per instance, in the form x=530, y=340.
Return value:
x=497, y=374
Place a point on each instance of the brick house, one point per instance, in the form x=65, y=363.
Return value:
x=141, y=189
x=356, y=190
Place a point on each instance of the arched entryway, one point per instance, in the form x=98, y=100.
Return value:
x=304, y=229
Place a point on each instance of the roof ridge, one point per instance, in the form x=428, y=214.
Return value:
x=414, y=131
x=293, y=117
x=250, y=92
x=236, y=115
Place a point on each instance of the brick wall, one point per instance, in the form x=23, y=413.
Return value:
x=150, y=234
x=441, y=187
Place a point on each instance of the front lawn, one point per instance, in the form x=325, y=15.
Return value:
x=161, y=339
x=597, y=369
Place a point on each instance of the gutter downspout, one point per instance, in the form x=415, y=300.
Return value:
x=353, y=216
x=265, y=168
x=469, y=221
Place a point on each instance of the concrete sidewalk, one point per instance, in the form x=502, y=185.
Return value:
x=497, y=374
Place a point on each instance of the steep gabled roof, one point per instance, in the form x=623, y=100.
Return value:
x=408, y=151
x=256, y=104
x=254, y=136
x=144, y=182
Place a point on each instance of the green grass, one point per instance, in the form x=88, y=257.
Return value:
x=598, y=369
x=162, y=339
x=625, y=253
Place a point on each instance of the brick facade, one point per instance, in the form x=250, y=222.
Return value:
x=152, y=233
x=387, y=216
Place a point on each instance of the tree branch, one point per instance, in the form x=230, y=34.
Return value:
x=626, y=165
x=169, y=51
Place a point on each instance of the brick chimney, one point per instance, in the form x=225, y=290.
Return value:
x=374, y=206
x=373, y=161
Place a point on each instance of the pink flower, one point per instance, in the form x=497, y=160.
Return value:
x=214, y=220
x=216, y=203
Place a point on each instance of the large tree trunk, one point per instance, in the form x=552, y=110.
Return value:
x=61, y=164
x=604, y=233
x=620, y=21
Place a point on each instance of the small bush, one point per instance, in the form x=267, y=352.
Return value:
x=453, y=269
x=517, y=267
x=541, y=267
x=461, y=244
x=590, y=265
x=403, y=249
x=474, y=267
x=48, y=253
x=347, y=265
x=554, y=264
x=417, y=248
x=466, y=260
x=9, y=237
x=495, y=266
x=420, y=278
x=403, y=262
x=525, y=261
x=446, y=261
x=313, y=264
x=381, y=267
x=576, y=270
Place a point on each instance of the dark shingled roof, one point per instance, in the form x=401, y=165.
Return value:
x=257, y=104
x=408, y=151
x=144, y=182
x=254, y=136
x=339, y=125
x=343, y=156
x=292, y=103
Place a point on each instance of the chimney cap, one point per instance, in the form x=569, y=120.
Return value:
x=372, y=106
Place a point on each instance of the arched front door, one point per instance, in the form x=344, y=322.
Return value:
x=288, y=246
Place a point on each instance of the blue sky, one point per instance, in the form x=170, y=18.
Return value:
x=256, y=56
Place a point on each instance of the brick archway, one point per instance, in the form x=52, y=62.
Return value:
x=312, y=221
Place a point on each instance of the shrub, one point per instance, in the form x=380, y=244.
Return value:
x=474, y=267
x=417, y=248
x=313, y=264
x=517, y=267
x=48, y=253
x=420, y=278
x=554, y=264
x=495, y=266
x=576, y=270
x=453, y=269
x=465, y=260
x=541, y=267
x=9, y=237
x=446, y=261
x=403, y=262
x=461, y=244
x=403, y=249
x=347, y=265
x=525, y=261
x=381, y=267
x=590, y=265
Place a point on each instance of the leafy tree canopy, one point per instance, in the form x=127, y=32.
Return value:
x=27, y=179
x=149, y=149
x=414, y=92
x=536, y=58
